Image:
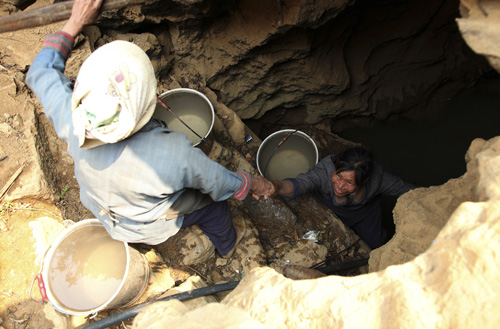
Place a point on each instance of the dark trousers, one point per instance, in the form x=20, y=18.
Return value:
x=216, y=221
x=364, y=219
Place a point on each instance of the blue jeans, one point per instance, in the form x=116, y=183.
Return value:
x=216, y=221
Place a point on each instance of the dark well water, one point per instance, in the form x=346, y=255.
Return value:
x=429, y=154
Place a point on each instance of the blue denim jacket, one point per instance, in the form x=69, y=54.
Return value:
x=129, y=185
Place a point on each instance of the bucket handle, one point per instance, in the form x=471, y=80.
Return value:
x=166, y=107
x=281, y=142
x=39, y=277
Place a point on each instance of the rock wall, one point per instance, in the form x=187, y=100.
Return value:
x=439, y=270
x=302, y=62
x=451, y=282
x=287, y=63
x=479, y=26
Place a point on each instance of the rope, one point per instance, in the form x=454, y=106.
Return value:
x=281, y=142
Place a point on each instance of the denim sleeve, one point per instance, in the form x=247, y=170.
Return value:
x=193, y=169
x=51, y=87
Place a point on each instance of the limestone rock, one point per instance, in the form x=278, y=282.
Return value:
x=172, y=314
x=160, y=280
x=250, y=250
x=18, y=3
x=158, y=315
x=420, y=215
x=248, y=255
x=197, y=247
x=480, y=26
x=297, y=272
x=306, y=253
x=192, y=283
x=318, y=59
x=59, y=320
x=451, y=282
x=5, y=128
x=44, y=231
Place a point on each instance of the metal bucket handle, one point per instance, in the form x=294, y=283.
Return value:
x=276, y=149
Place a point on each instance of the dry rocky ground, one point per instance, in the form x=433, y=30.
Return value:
x=40, y=191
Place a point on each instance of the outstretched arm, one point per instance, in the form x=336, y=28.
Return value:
x=283, y=188
x=84, y=12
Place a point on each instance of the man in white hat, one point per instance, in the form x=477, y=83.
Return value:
x=142, y=180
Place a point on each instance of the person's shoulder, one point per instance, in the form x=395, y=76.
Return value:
x=326, y=162
x=377, y=167
x=327, y=159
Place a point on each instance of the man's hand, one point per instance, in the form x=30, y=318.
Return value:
x=283, y=188
x=261, y=187
x=84, y=12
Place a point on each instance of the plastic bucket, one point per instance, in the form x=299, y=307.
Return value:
x=85, y=271
x=193, y=108
x=296, y=155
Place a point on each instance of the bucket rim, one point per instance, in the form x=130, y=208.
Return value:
x=196, y=92
x=48, y=257
x=285, y=131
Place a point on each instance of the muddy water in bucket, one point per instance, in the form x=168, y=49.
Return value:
x=87, y=271
x=192, y=107
x=296, y=155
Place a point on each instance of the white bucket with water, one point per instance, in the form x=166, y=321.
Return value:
x=190, y=106
x=86, y=271
x=285, y=154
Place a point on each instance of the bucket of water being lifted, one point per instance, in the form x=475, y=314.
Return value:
x=189, y=112
x=285, y=154
x=86, y=271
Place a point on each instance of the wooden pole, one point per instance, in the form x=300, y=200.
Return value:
x=11, y=181
x=54, y=13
